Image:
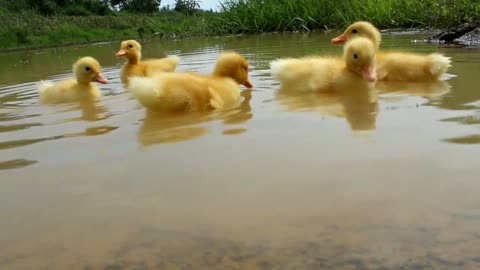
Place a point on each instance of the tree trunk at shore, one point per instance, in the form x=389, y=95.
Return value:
x=451, y=34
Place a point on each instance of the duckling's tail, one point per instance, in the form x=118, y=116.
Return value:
x=279, y=68
x=146, y=90
x=43, y=90
x=173, y=59
x=439, y=64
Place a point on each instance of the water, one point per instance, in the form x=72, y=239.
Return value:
x=384, y=179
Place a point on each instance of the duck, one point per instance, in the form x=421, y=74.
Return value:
x=86, y=70
x=326, y=74
x=131, y=50
x=397, y=66
x=187, y=92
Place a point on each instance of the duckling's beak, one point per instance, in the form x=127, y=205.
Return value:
x=120, y=53
x=369, y=74
x=100, y=78
x=248, y=84
x=340, y=39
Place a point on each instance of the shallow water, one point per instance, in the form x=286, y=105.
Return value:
x=384, y=179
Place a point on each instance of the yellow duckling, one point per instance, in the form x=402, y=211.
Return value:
x=398, y=66
x=172, y=92
x=86, y=70
x=314, y=73
x=132, y=51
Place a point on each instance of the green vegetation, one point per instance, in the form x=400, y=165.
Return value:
x=28, y=29
x=255, y=16
x=36, y=23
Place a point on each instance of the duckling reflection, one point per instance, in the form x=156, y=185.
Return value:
x=174, y=127
x=434, y=89
x=358, y=105
x=92, y=111
x=361, y=108
x=91, y=131
x=242, y=113
x=160, y=127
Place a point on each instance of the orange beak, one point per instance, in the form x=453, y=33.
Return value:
x=340, y=39
x=100, y=78
x=369, y=74
x=248, y=84
x=120, y=53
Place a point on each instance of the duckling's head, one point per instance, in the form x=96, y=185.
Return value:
x=87, y=70
x=359, y=56
x=235, y=66
x=360, y=29
x=131, y=50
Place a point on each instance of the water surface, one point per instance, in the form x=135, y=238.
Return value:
x=363, y=179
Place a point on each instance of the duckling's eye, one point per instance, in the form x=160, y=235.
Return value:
x=355, y=56
x=245, y=68
x=354, y=31
x=130, y=46
x=87, y=69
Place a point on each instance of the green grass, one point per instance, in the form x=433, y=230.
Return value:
x=28, y=29
x=255, y=16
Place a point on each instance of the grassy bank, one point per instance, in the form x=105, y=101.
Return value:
x=255, y=16
x=31, y=30
x=28, y=29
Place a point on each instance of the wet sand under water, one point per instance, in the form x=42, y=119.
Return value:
x=383, y=179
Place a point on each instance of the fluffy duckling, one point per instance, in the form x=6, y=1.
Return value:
x=132, y=51
x=311, y=74
x=397, y=66
x=173, y=92
x=86, y=70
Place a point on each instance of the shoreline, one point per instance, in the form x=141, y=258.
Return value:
x=151, y=37
x=474, y=35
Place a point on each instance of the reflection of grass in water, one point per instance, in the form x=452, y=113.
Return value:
x=88, y=132
x=8, y=128
x=20, y=143
x=466, y=120
x=472, y=139
x=16, y=163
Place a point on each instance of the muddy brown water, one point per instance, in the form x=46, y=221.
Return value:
x=384, y=179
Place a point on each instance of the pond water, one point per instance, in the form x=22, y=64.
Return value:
x=384, y=179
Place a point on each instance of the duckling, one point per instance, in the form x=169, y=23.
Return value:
x=132, y=51
x=360, y=29
x=398, y=66
x=323, y=74
x=171, y=92
x=86, y=70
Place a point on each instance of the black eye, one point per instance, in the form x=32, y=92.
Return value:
x=354, y=31
x=87, y=68
x=245, y=68
x=355, y=56
x=130, y=46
